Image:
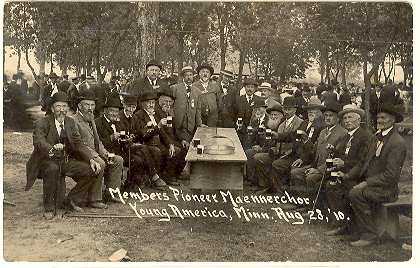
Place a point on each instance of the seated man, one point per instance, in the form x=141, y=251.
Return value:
x=311, y=175
x=262, y=142
x=348, y=160
x=139, y=158
x=256, y=126
x=165, y=115
x=381, y=172
x=59, y=152
x=271, y=167
x=110, y=169
x=150, y=132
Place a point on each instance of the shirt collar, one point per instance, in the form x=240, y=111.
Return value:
x=331, y=128
x=106, y=118
x=126, y=115
x=150, y=114
x=351, y=133
x=151, y=81
x=288, y=121
x=57, y=124
x=385, y=132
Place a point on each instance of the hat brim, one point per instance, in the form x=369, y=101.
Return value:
x=269, y=110
x=398, y=116
x=358, y=111
x=313, y=107
x=154, y=64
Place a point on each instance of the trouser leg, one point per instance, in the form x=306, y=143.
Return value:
x=251, y=166
x=263, y=169
x=54, y=186
x=280, y=173
x=113, y=173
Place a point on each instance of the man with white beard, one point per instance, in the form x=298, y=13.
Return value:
x=275, y=117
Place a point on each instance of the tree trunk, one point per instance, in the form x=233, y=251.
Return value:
x=366, y=80
x=328, y=70
x=19, y=57
x=343, y=74
x=42, y=61
x=180, y=54
x=98, y=61
x=52, y=63
x=323, y=58
x=223, y=47
x=242, y=55
x=147, y=22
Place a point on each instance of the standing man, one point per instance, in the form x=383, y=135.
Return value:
x=227, y=101
x=208, y=99
x=186, y=112
x=58, y=152
x=49, y=91
x=246, y=102
x=349, y=156
x=151, y=82
x=381, y=172
x=110, y=169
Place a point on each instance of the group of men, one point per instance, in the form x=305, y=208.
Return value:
x=148, y=126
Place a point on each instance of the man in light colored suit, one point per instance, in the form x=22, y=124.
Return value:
x=330, y=135
x=187, y=116
x=270, y=165
x=109, y=168
x=210, y=94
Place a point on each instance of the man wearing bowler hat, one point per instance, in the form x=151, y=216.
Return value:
x=208, y=99
x=49, y=91
x=270, y=168
x=348, y=158
x=108, y=168
x=381, y=172
x=186, y=112
x=246, y=102
x=59, y=151
x=227, y=101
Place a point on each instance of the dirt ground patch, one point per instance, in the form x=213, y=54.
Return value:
x=28, y=237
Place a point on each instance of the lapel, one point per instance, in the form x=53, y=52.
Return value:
x=53, y=129
x=85, y=124
x=107, y=125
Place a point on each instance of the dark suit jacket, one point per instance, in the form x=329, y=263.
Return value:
x=303, y=150
x=157, y=137
x=44, y=137
x=104, y=132
x=126, y=124
x=143, y=85
x=383, y=173
x=245, y=108
x=354, y=160
x=169, y=131
x=228, y=106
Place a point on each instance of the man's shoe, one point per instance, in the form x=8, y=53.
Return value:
x=48, y=215
x=75, y=207
x=362, y=243
x=173, y=182
x=337, y=231
x=98, y=205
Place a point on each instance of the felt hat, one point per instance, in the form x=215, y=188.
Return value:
x=290, y=102
x=153, y=63
x=332, y=106
x=148, y=95
x=259, y=102
x=86, y=94
x=227, y=73
x=393, y=110
x=166, y=91
x=313, y=103
x=113, y=101
x=53, y=75
x=59, y=96
x=205, y=66
x=128, y=98
x=250, y=81
x=351, y=108
x=63, y=86
x=275, y=106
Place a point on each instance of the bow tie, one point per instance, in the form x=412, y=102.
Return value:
x=380, y=137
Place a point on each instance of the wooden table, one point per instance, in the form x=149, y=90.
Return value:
x=216, y=172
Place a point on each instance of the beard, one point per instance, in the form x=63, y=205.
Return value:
x=89, y=115
x=273, y=124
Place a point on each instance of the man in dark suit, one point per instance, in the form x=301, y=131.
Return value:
x=110, y=165
x=151, y=82
x=227, y=101
x=246, y=102
x=186, y=112
x=381, y=172
x=150, y=132
x=58, y=152
x=271, y=166
x=48, y=91
x=348, y=160
x=209, y=96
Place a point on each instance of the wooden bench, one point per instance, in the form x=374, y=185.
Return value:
x=388, y=221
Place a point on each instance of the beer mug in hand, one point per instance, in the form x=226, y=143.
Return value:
x=110, y=159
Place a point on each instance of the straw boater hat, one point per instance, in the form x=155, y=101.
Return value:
x=187, y=69
x=313, y=103
x=265, y=85
x=260, y=103
x=227, y=73
x=351, y=108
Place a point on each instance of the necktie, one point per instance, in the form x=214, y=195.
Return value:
x=95, y=136
x=62, y=131
x=113, y=127
x=348, y=145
